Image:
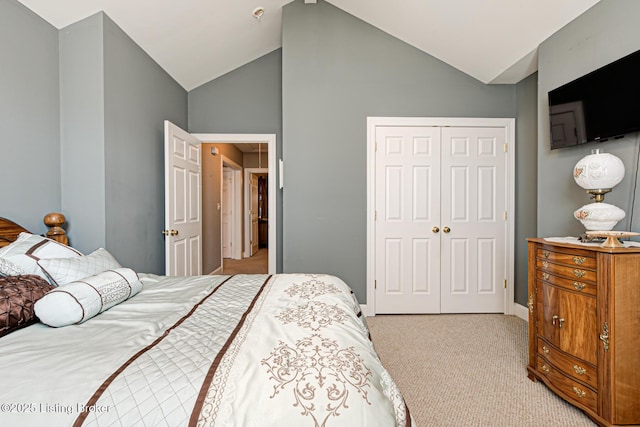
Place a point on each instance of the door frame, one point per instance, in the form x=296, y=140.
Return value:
x=247, y=202
x=509, y=126
x=270, y=140
x=236, y=218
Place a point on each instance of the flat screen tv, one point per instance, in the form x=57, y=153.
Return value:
x=598, y=106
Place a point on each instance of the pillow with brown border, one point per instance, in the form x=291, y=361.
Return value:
x=18, y=294
x=28, y=249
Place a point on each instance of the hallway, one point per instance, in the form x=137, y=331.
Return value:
x=257, y=264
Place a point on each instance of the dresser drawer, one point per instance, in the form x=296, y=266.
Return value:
x=581, y=259
x=569, y=365
x=569, y=284
x=567, y=387
x=569, y=272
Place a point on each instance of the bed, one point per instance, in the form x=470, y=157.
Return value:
x=242, y=350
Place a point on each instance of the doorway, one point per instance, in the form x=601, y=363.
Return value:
x=256, y=218
x=231, y=207
x=267, y=143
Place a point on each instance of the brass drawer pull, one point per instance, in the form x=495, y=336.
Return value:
x=545, y=350
x=545, y=276
x=579, y=370
x=579, y=260
x=579, y=392
x=579, y=286
x=604, y=336
x=579, y=273
x=545, y=369
x=545, y=254
x=545, y=264
x=530, y=304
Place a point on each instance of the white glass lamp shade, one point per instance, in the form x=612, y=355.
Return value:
x=598, y=171
x=599, y=216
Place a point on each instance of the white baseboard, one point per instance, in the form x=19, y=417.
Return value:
x=518, y=310
x=521, y=311
x=365, y=310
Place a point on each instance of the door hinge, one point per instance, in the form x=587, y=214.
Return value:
x=375, y=215
x=505, y=147
x=505, y=215
x=505, y=283
x=375, y=284
x=375, y=147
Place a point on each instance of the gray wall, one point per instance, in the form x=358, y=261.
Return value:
x=114, y=100
x=29, y=116
x=82, y=143
x=139, y=96
x=246, y=100
x=606, y=32
x=526, y=179
x=337, y=70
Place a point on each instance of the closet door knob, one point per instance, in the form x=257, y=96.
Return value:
x=435, y=229
x=446, y=229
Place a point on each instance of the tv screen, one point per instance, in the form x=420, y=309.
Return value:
x=598, y=106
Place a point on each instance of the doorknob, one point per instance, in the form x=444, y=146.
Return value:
x=435, y=229
x=169, y=233
x=446, y=229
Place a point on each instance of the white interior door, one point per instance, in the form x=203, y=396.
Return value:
x=227, y=211
x=407, y=210
x=183, y=206
x=473, y=207
x=255, y=240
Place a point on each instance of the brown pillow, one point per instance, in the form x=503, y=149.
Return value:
x=17, y=296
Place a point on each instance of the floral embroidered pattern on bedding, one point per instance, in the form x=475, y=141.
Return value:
x=321, y=373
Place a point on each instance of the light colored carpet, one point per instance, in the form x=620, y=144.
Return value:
x=467, y=370
x=257, y=264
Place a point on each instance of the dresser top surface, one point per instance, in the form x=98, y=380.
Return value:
x=584, y=246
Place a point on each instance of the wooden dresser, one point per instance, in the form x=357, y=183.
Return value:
x=584, y=327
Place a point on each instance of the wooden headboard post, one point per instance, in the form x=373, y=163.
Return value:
x=9, y=230
x=54, y=220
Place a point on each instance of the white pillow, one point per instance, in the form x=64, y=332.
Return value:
x=8, y=268
x=28, y=249
x=79, y=301
x=66, y=270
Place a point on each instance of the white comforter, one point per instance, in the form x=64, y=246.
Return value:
x=246, y=350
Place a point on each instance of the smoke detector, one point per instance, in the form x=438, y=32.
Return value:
x=258, y=12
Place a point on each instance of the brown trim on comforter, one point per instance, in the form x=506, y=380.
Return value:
x=94, y=399
x=195, y=414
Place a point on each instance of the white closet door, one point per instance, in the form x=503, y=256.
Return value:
x=407, y=210
x=473, y=209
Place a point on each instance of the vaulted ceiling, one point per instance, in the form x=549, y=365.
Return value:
x=196, y=41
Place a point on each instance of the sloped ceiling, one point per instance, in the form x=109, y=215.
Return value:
x=196, y=41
